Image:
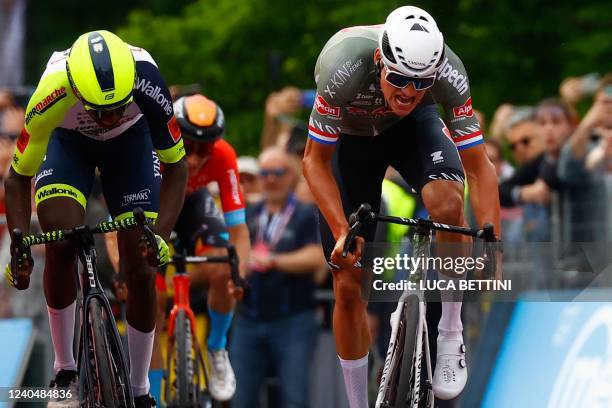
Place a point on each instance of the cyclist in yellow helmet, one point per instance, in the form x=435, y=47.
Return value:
x=100, y=104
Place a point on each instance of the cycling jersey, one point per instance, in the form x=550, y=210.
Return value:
x=222, y=167
x=349, y=99
x=54, y=105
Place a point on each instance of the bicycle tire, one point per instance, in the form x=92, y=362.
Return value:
x=106, y=379
x=187, y=387
x=404, y=397
x=123, y=386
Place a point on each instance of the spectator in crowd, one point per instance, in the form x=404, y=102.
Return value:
x=279, y=109
x=276, y=323
x=525, y=188
x=11, y=122
x=481, y=119
x=575, y=89
x=500, y=122
x=525, y=141
x=296, y=145
x=599, y=160
x=502, y=167
x=557, y=121
x=586, y=192
x=11, y=115
x=248, y=168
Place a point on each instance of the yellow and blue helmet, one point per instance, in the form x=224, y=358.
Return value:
x=101, y=70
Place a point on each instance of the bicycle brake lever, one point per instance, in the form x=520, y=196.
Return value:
x=146, y=229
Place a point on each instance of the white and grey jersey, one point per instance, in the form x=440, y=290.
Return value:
x=349, y=99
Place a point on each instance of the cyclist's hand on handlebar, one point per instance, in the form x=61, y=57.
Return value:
x=163, y=252
x=353, y=255
x=234, y=291
x=20, y=268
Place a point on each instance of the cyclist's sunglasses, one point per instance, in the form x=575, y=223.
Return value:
x=401, y=81
x=106, y=116
x=201, y=149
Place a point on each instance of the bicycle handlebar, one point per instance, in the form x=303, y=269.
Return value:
x=364, y=214
x=231, y=258
x=24, y=242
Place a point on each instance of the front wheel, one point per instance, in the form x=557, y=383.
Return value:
x=101, y=365
x=409, y=386
x=187, y=365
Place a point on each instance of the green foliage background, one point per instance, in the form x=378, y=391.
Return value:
x=515, y=50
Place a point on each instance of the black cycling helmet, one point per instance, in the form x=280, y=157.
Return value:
x=200, y=118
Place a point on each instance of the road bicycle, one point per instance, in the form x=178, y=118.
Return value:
x=185, y=381
x=404, y=382
x=104, y=377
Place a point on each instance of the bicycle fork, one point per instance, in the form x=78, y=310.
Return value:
x=392, y=359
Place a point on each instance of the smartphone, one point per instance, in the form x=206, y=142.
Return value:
x=589, y=83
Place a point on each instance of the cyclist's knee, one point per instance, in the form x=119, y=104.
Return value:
x=219, y=276
x=444, y=201
x=347, y=289
x=60, y=257
x=139, y=276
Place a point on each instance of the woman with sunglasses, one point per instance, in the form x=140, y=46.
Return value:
x=203, y=230
x=376, y=106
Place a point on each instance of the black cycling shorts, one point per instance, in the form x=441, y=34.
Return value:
x=419, y=147
x=200, y=218
x=129, y=170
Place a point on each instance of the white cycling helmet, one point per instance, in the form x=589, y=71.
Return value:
x=411, y=42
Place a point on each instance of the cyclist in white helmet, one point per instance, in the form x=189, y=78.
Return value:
x=378, y=91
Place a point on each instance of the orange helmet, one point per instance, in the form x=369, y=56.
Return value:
x=200, y=118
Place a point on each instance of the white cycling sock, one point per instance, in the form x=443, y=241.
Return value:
x=61, y=322
x=355, y=374
x=140, y=345
x=450, y=326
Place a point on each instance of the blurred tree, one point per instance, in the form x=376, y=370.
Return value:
x=515, y=50
x=53, y=27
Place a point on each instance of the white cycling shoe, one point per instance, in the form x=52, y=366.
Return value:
x=450, y=375
x=68, y=394
x=222, y=380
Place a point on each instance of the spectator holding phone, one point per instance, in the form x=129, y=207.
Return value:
x=581, y=154
x=280, y=107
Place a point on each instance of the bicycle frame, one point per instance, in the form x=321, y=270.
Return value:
x=182, y=303
x=90, y=288
x=391, y=371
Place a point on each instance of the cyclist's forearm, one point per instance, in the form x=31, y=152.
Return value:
x=303, y=260
x=18, y=192
x=483, y=194
x=172, y=195
x=239, y=236
x=320, y=179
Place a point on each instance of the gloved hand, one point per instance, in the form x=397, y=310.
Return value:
x=163, y=252
x=19, y=270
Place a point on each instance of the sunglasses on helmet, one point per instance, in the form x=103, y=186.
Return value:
x=401, y=81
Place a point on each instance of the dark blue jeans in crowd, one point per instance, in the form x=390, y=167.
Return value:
x=286, y=344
